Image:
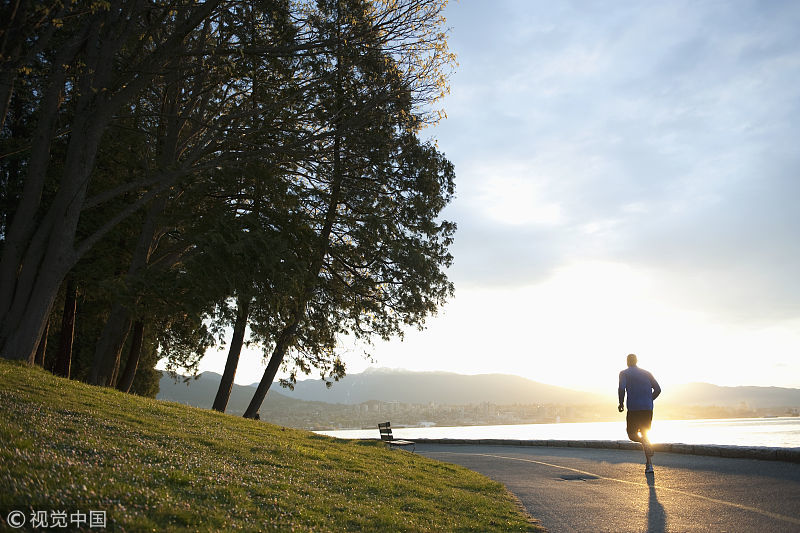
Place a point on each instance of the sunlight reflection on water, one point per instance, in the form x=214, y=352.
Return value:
x=781, y=432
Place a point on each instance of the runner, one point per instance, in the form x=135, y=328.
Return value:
x=642, y=389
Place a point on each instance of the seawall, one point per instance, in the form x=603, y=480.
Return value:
x=791, y=455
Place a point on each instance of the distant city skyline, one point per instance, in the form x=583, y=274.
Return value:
x=627, y=181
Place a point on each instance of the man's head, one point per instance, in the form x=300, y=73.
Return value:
x=632, y=359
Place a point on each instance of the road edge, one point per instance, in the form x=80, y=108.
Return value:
x=766, y=453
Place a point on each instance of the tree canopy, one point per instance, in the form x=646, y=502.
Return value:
x=194, y=167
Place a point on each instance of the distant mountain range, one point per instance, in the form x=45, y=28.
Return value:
x=754, y=397
x=201, y=392
x=455, y=389
x=438, y=387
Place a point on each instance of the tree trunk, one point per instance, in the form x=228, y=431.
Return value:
x=23, y=327
x=109, y=346
x=23, y=226
x=51, y=247
x=63, y=360
x=226, y=383
x=50, y=254
x=42, y=348
x=134, y=355
x=274, y=364
x=105, y=364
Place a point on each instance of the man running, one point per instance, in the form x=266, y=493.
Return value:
x=642, y=389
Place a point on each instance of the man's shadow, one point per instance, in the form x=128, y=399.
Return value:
x=656, y=516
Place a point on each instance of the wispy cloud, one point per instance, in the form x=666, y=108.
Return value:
x=662, y=135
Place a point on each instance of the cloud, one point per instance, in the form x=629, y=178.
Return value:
x=509, y=195
x=659, y=135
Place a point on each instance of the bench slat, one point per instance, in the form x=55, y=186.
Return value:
x=385, y=430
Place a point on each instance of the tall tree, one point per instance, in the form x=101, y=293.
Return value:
x=107, y=55
x=260, y=152
x=370, y=109
x=224, y=114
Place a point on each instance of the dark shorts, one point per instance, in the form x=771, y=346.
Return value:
x=638, y=422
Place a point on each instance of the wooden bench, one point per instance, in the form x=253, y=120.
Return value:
x=386, y=436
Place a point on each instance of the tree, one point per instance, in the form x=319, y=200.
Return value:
x=106, y=55
x=237, y=111
x=367, y=167
x=150, y=146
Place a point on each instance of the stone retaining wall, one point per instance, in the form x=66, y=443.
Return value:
x=791, y=455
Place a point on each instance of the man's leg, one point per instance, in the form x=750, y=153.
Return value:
x=632, y=426
x=638, y=423
x=646, y=422
x=648, y=452
x=648, y=448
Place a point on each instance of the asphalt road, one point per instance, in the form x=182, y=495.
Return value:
x=583, y=489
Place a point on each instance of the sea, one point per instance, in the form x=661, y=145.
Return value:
x=783, y=432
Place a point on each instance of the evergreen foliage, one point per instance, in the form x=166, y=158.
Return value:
x=189, y=165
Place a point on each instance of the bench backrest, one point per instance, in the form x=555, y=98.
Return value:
x=386, y=431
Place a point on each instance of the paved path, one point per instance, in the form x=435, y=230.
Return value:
x=581, y=489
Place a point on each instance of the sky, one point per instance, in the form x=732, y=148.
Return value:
x=628, y=180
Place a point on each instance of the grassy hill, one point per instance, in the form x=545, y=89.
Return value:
x=158, y=466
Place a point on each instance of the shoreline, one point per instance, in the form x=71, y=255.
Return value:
x=765, y=453
x=552, y=422
x=749, y=433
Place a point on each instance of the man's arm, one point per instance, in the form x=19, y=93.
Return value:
x=621, y=391
x=656, y=387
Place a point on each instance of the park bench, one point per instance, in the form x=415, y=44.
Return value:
x=386, y=436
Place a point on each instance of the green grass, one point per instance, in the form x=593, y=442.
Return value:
x=159, y=466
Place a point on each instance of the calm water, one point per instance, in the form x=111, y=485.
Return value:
x=782, y=432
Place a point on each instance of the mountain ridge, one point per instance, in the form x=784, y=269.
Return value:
x=442, y=387
x=438, y=387
x=201, y=391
